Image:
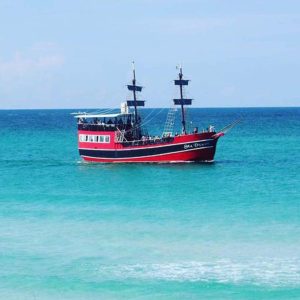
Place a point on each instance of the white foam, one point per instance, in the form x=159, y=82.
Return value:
x=267, y=272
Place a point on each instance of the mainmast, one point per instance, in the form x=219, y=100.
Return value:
x=182, y=101
x=135, y=103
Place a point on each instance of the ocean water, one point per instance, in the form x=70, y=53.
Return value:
x=227, y=230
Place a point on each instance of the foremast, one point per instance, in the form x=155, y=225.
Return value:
x=135, y=103
x=182, y=101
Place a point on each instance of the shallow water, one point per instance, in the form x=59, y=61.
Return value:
x=227, y=230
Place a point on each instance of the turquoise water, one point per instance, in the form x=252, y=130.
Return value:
x=228, y=230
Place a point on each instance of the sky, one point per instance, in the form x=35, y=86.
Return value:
x=78, y=53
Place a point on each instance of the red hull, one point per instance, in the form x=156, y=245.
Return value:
x=206, y=155
x=186, y=148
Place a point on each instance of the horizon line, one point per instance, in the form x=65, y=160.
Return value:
x=95, y=108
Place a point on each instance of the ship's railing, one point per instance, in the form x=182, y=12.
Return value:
x=102, y=127
x=148, y=141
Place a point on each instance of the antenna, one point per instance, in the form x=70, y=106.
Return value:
x=133, y=70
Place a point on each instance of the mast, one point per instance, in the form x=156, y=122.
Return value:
x=182, y=101
x=135, y=103
x=134, y=93
x=181, y=97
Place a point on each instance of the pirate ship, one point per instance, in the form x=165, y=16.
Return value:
x=121, y=138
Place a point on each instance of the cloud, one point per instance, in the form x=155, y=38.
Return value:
x=256, y=25
x=30, y=75
x=40, y=57
x=194, y=25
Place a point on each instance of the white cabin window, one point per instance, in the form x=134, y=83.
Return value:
x=94, y=138
x=81, y=138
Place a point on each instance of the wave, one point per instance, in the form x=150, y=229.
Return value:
x=268, y=272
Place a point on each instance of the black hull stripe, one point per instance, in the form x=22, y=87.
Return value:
x=136, y=153
x=132, y=157
x=154, y=146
